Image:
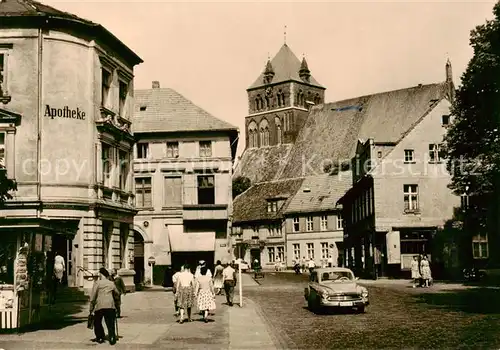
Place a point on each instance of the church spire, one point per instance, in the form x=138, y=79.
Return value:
x=268, y=72
x=304, y=72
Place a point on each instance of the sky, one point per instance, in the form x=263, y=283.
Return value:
x=211, y=52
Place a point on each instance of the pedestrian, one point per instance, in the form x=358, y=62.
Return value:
x=415, y=274
x=175, y=277
x=201, y=263
x=277, y=265
x=229, y=279
x=59, y=269
x=205, y=293
x=421, y=280
x=120, y=287
x=103, y=300
x=218, y=280
x=425, y=268
x=311, y=265
x=303, y=264
x=185, y=293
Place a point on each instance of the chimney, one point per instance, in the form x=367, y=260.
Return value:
x=156, y=84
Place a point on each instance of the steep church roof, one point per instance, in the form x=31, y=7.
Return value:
x=286, y=67
x=165, y=110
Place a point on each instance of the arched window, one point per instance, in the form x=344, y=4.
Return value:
x=264, y=132
x=252, y=135
x=279, y=131
x=256, y=107
x=300, y=98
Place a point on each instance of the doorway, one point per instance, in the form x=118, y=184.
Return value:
x=63, y=246
x=138, y=258
x=254, y=255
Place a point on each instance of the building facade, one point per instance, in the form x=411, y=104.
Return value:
x=313, y=221
x=183, y=190
x=400, y=201
x=66, y=93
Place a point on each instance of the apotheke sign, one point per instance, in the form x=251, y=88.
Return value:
x=65, y=112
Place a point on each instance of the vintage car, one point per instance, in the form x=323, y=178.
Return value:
x=243, y=263
x=335, y=287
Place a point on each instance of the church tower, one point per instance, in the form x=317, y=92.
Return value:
x=280, y=99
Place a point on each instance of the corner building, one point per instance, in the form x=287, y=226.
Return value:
x=66, y=87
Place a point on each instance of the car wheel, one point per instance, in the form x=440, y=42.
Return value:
x=361, y=309
x=310, y=304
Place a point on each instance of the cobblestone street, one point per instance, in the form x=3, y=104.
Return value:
x=399, y=316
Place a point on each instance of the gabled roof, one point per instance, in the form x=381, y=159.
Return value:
x=286, y=67
x=320, y=193
x=264, y=163
x=165, y=110
x=332, y=130
x=251, y=205
x=34, y=13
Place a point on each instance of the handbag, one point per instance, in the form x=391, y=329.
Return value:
x=90, y=321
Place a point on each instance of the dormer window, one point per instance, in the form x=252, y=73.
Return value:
x=273, y=205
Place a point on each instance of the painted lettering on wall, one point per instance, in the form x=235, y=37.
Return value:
x=65, y=112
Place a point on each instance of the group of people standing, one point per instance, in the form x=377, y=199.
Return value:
x=201, y=288
x=421, y=271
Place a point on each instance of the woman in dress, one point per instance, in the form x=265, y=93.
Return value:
x=185, y=293
x=205, y=293
x=415, y=273
x=426, y=270
x=218, y=284
x=59, y=267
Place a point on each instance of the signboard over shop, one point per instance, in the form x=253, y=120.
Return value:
x=64, y=112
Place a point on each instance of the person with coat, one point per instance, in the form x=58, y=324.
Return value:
x=205, y=293
x=103, y=300
x=120, y=286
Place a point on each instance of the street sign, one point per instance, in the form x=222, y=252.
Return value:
x=151, y=260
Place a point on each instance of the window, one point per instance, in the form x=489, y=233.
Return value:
x=275, y=230
x=296, y=225
x=379, y=154
x=264, y=132
x=2, y=149
x=143, y=197
x=324, y=250
x=106, y=86
x=124, y=169
x=435, y=153
x=142, y=150
x=205, y=148
x=206, y=189
x=410, y=197
x=173, y=191
x=309, y=223
x=272, y=206
x=252, y=135
x=296, y=251
x=340, y=222
x=172, y=149
x=445, y=120
x=270, y=252
x=123, y=92
x=3, y=74
x=107, y=232
x=409, y=155
x=310, y=251
x=480, y=246
x=287, y=121
x=281, y=253
x=107, y=164
x=324, y=223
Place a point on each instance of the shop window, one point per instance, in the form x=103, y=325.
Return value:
x=172, y=149
x=206, y=189
x=143, y=192
x=8, y=245
x=142, y=150
x=107, y=164
x=480, y=246
x=205, y=149
x=124, y=169
x=123, y=92
x=410, y=198
x=105, y=87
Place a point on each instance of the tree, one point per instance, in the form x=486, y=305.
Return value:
x=472, y=142
x=240, y=185
x=6, y=185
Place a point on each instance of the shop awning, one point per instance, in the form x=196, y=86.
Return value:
x=192, y=242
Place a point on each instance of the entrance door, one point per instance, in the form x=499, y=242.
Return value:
x=60, y=246
x=255, y=255
x=138, y=258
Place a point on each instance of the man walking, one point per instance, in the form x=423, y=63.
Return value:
x=120, y=287
x=229, y=278
x=103, y=300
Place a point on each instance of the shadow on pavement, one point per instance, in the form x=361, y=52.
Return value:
x=476, y=301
